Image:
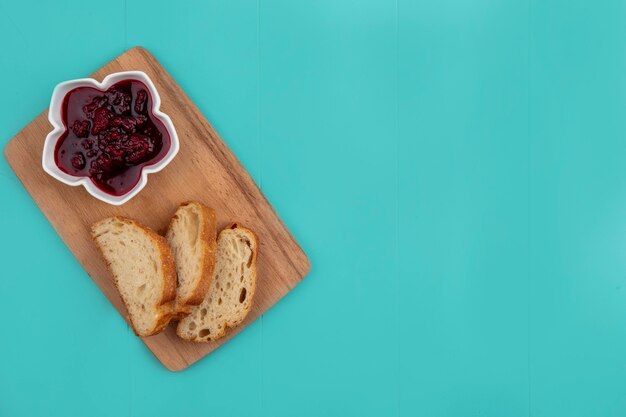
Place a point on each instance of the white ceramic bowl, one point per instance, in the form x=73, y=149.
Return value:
x=55, y=118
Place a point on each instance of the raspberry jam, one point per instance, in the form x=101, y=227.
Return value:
x=111, y=135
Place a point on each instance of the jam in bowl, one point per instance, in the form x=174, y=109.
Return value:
x=108, y=136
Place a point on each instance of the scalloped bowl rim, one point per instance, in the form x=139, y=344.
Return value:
x=55, y=118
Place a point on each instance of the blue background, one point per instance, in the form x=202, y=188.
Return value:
x=454, y=169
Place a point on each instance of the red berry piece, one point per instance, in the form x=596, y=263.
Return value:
x=129, y=124
x=111, y=139
x=87, y=144
x=92, y=106
x=138, y=149
x=115, y=151
x=99, y=165
x=81, y=128
x=140, y=101
x=101, y=119
x=120, y=100
x=104, y=166
x=141, y=119
x=78, y=161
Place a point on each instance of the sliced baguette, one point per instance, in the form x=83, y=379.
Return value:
x=191, y=235
x=143, y=270
x=229, y=298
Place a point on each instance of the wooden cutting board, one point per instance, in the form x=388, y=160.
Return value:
x=204, y=170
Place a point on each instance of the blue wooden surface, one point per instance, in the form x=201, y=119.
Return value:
x=454, y=169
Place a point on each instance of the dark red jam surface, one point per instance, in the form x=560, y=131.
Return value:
x=111, y=135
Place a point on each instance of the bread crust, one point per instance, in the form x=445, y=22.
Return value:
x=168, y=290
x=255, y=249
x=207, y=237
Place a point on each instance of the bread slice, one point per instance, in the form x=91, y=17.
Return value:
x=143, y=270
x=232, y=289
x=191, y=235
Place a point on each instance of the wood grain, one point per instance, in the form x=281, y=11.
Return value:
x=204, y=170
